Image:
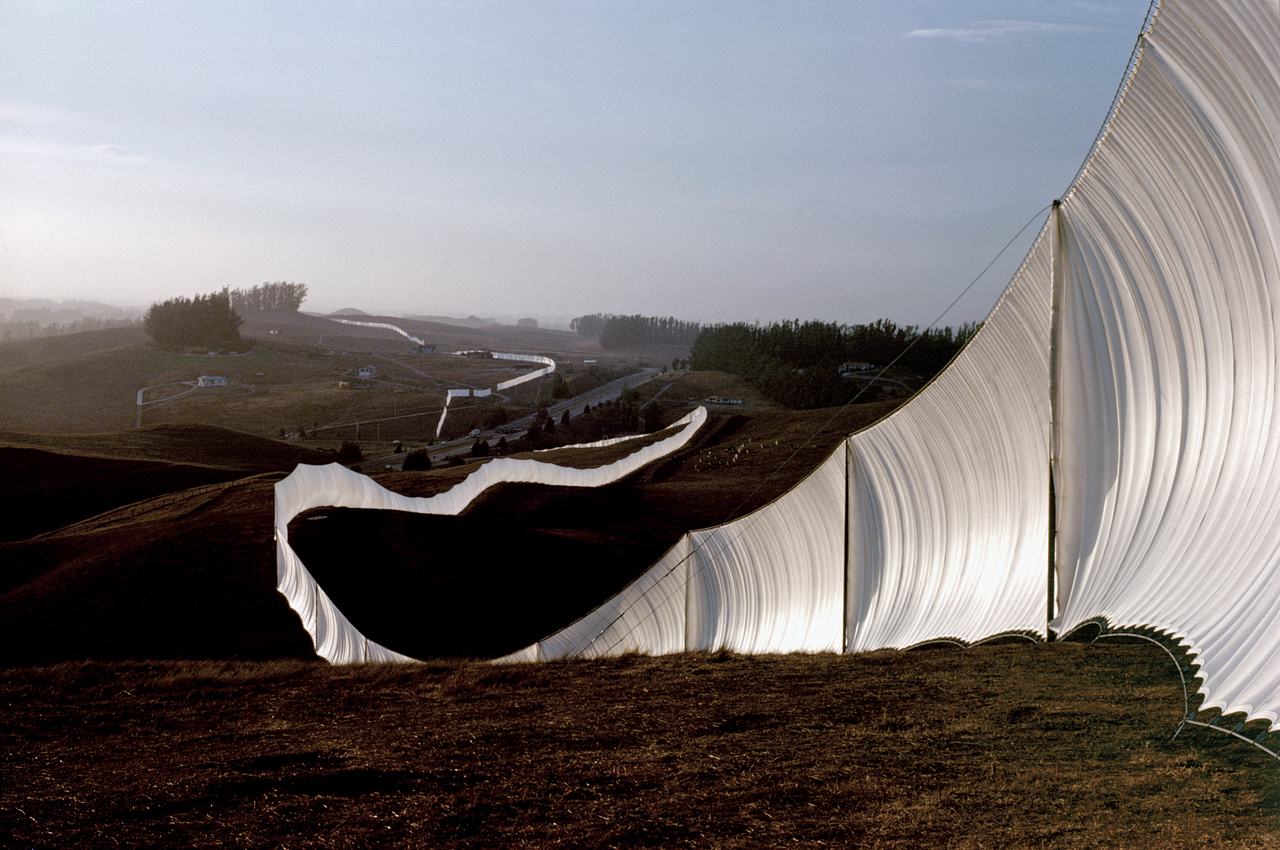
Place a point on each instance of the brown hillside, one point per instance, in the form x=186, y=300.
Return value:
x=189, y=575
x=48, y=481
x=1059, y=746
x=119, y=585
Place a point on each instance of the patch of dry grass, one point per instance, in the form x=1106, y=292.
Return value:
x=1058, y=746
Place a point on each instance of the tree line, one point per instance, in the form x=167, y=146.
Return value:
x=616, y=332
x=205, y=320
x=281, y=295
x=798, y=363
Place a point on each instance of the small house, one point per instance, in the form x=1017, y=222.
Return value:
x=212, y=381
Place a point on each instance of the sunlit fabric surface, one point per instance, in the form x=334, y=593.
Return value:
x=1134, y=355
x=336, y=639
x=1168, y=457
x=1136, y=351
x=933, y=523
x=949, y=497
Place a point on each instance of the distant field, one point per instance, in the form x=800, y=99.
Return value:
x=303, y=372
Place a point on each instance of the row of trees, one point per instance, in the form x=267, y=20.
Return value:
x=798, y=363
x=616, y=332
x=281, y=295
x=207, y=321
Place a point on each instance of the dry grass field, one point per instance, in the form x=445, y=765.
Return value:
x=157, y=691
x=1058, y=746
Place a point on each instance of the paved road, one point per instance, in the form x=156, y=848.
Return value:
x=516, y=429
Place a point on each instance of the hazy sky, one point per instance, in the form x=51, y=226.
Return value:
x=715, y=160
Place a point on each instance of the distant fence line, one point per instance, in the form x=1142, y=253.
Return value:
x=537, y=373
x=385, y=326
x=548, y=368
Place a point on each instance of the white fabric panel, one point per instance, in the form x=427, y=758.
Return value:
x=949, y=496
x=385, y=326
x=646, y=616
x=333, y=635
x=949, y=539
x=1146, y=319
x=502, y=385
x=773, y=581
x=537, y=373
x=547, y=369
x=1169, y=401
x=336, y=486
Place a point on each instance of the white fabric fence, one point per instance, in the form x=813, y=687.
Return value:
x=384, y=326
x=333, y=485
x=1135, y=355
x=502, y=385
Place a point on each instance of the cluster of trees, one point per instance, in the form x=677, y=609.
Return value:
x=281, y=295
x=350, y=453
x=418, y=460
x=616, y=332
x=560, y=387
x=206, y=320
x=590, y=325
x=797, y=363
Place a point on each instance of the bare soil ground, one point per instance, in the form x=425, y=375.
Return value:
x=1051, y=746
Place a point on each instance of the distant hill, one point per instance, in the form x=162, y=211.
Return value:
x=46, y=311
x=468, y=322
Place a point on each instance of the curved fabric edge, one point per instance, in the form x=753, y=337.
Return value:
x=335, y=638
x=1169, y=450
x=916, y=507
x=949, y=495
x=714, y=590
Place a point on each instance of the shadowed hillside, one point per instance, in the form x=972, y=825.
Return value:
x=48, y=481
x=191, y=572
x=187, y=575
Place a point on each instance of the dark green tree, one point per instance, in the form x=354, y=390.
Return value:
x=418, y=460
x=560, y=389
x=350, y=453
x=206, y=321
x=281, y=295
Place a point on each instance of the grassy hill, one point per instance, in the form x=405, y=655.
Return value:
x=187, y=575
